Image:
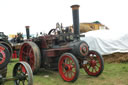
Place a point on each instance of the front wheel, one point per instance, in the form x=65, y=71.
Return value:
x=68, y=67
x=22, y=71
x=95, y=64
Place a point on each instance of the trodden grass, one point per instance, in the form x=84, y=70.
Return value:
x=113, y=74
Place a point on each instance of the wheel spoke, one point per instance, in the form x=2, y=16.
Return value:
x=30, y=53
x=92, y=70
x=27, y=79
x=71, y=62
x=28, y=49
x=73, y=66
x=18, y=82
x=19, y=69
x=89, y=66
x=73, y=72
x=64, y=63
x=23, y=82
x=64, y=69
x=95, y=69
x=31, y=57
x=97, y=62
x=97, y=66
x=67, y=61
x=31, y=62
x=25, y=53
x=65, y=73
x=68, y=74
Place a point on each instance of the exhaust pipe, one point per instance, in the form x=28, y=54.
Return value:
x=76, y=26
x=27, y=32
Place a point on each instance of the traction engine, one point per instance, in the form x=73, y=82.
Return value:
x=62, y=50
x=22, y=73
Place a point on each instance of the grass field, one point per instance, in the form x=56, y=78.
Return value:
x=113, y=74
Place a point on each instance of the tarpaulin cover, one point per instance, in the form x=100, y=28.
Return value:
x=107, y=41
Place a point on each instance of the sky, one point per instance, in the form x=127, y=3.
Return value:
x=42, y=15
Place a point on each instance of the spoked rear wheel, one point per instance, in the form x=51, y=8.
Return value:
x=95, y=64
x=9, y=47
x=68, y=67
x=30, y=53
x=23, y=74
x=4, y=56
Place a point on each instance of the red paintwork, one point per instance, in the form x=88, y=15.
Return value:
x=3, y=55
x=47, y=40
x=23, y=69
x=27, y=51
x=14, y=55
x=94, y=65
x=67, y=70
x=2, y=48
x=83, y=46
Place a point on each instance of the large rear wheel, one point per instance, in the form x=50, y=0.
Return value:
x=68, y=67
x=30, y=53
x=4, y=56
x=9, y=47
x=95, y=64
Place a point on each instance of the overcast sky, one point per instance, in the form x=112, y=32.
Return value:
x=42, y=15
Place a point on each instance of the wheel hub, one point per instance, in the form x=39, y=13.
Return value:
x=93, y=63
x=68, y=67
x=84, y=49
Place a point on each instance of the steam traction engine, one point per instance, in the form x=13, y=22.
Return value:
x=22, y=73
x=63, y=50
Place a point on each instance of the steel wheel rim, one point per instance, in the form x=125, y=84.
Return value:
x=94, y=65
x=27, y=54
x=22, y=71
x=2, y=55
x=67, y=69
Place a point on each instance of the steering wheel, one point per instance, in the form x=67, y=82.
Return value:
x=52, y=32
x=57, y=30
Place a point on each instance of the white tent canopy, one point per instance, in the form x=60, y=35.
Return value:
x=107, y=41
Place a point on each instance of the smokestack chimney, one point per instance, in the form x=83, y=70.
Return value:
x=27, y=32
x=75, y=11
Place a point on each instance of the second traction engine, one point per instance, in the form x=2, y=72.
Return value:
x=63, y=50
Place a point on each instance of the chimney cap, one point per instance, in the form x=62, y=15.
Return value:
x=27, y=27
x=75, y=7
